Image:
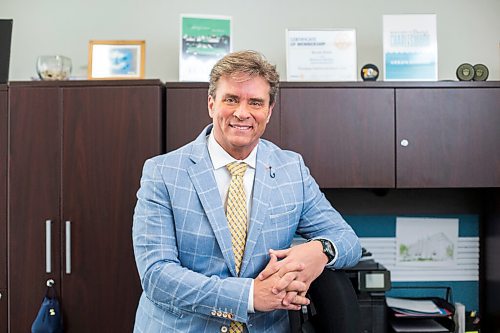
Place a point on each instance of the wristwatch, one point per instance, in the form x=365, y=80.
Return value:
x=328, y=248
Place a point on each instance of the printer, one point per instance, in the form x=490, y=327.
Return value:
x=371, y=280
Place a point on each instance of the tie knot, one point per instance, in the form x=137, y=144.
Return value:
x=237, y=168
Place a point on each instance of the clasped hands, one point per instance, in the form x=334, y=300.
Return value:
x=283, y=283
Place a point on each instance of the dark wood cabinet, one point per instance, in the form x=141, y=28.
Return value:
x=3, y=208
x=187, y=115
x=346, y=135
x=452, y=137
x=76, y=156
x=395, y=135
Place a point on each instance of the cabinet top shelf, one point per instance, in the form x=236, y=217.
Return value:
x=393, y=84
x=361, y=84
x=85, y=83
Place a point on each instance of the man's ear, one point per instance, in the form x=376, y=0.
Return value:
x=211, y=102
x=271, y=108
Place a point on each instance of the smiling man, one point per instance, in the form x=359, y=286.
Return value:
x=213, y=227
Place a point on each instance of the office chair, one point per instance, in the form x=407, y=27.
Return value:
x=334, y=306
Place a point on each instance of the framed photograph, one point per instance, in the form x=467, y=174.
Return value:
x=116, y=59
x=321, y=55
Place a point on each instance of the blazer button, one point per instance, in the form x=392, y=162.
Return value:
x=219, y=313
x=213, y=313
x=223, y=329
x=230, y=315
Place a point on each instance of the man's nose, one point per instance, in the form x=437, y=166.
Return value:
x=241, y=112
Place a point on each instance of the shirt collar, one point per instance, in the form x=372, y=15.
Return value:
x=220, y=158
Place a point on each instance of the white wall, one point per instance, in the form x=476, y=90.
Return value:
x=468, y=30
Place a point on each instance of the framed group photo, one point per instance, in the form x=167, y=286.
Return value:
x=116, y=59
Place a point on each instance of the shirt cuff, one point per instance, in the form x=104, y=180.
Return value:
x=250, y=299
x=336, y=254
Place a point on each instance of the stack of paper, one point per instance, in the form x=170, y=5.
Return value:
x=403, y=307
x=418, y=326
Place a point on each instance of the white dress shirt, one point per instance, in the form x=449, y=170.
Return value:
x=220, y=158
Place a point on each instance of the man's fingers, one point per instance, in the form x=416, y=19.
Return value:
x=283, y=283
x=300, y=300
x=272, y=267
x=289, y=298
x=288, y=273
x=299, y=287
x=295, y=293
x=292, y=298
x=280, y=253
x=292, y=267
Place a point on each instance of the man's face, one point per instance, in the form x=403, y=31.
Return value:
x=240, y=112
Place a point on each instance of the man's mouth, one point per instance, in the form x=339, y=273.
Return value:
x=241, y=127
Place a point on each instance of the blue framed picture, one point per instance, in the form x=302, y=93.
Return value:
x=120, y=59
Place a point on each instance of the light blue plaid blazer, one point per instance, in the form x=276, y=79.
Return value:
x=182, y=243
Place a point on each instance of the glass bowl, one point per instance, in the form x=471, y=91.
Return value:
x=53, y=67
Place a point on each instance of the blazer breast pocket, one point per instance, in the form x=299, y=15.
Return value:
x=282, y=212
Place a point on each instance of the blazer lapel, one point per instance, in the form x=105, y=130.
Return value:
x=202, y=176
x=263, y=184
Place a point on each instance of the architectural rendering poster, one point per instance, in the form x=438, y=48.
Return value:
x=410, y=48
x=204, y=40
x=321, y=55
x=426, y=242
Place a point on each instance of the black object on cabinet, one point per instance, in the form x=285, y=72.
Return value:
x=75, y=158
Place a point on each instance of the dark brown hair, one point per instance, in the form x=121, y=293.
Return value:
x=249, y=63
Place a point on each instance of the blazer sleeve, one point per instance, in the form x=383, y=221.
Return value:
x=320, y=220
x=164, y=280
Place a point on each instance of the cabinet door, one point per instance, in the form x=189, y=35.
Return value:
x=3, y=311
x=108, y=134
x=34, y=187
x=187, y=115
x=3, y=209
x=346, y=135
x=3, y=190
x=453, y=137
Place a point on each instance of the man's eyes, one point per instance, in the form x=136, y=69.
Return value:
x=234, y=100
x=256, y=103
x=230, y=100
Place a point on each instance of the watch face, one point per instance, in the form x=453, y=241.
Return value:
x=328, y=249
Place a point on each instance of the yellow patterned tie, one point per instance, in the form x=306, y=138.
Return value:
x=237, y=219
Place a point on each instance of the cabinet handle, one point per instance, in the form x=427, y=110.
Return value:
x=68, y=247
x=405, y=143
x=48, y=246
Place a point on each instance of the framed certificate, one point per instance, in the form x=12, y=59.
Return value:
x=321, y=55
x=410, y=48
